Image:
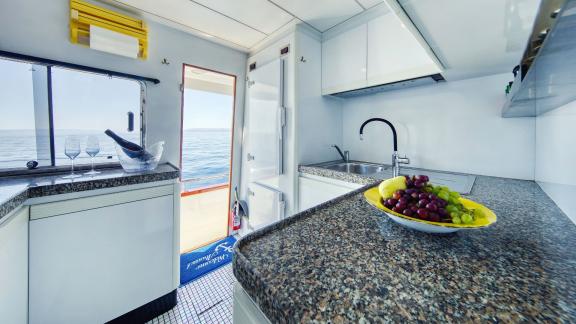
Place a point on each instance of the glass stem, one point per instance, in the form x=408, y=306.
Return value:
x=92, y=162
x=72, y=166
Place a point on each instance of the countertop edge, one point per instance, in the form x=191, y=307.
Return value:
x=126, y=179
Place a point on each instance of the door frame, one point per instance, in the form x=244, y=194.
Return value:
x=184, y=65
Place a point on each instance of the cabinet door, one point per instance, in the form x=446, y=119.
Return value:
x=395, y=53
x=344, y=61
x=94, y=265
x=14, y=267
x=314, y=192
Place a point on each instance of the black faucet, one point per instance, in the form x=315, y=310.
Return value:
x=345, y=155
x=396, y=159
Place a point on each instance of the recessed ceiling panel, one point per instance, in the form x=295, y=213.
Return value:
x=322, y=14
x=259, y=14
x=198, y=17
x=475, y=37
x=369, y=3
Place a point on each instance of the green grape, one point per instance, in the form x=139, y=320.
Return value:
x=478, y=213
x=451, y=208
x=456, y=220
x=454, y=194
x=444, y=195
x=455, y=215
x=467, y=219
x=454, y=201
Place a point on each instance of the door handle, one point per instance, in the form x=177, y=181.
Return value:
x=130, y=121
x=250, y=157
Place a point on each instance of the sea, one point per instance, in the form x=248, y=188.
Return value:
x=205, y=152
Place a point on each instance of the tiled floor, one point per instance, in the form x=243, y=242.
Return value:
x=204, y=300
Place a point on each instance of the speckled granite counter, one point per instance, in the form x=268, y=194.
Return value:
x=344, y=261
x=15, y=190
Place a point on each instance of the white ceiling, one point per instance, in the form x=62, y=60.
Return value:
x=243, y=24
x=471, y=38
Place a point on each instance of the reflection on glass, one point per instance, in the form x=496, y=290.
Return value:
x=92, y=149
x=72, y=150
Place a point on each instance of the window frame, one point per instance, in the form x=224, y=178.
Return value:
x=49, y=64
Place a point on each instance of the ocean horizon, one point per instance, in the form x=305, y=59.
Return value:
x=205, y=152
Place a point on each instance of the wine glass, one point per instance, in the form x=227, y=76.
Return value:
x=72, y=150
x=92, y=149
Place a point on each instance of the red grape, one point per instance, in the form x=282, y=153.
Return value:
x=414, y=208
x=397, y=195
x=415, y=195
x=432, y=207
x=401, y=206
x=407, y=212
x=434, y=217
x=392, y=201
x=422, y=203
x=422, y=213
x=418, y=184
x=403, y=200
x=423, y=196
x=422, y=178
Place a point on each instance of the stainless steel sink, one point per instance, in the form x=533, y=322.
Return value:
x=356, y=168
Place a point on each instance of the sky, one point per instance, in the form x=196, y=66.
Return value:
x=207, y=110
x=94, y=102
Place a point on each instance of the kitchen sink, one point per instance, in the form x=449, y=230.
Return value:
x=356, y=168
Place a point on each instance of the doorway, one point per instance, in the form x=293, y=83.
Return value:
x=207, y=130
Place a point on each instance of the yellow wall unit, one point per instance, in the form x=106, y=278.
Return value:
x=114, y=30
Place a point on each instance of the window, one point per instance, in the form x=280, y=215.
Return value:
x=17, y=127
x=87, y=104
x=41, y=105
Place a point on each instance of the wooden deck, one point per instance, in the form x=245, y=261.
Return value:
x=203, y=218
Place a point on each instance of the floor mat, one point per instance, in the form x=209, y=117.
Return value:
x=199, y=262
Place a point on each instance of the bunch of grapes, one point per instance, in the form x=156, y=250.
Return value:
x=427, y=202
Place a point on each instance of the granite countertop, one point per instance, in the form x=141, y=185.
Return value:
x=14, y=191
x=344, y=261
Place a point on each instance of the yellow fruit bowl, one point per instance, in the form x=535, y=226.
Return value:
x=373, y=197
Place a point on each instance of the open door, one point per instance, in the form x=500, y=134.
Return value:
x=206, y=156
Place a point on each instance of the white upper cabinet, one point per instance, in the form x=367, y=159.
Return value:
x=378, y=47
x=344, y=61
x=395, y=53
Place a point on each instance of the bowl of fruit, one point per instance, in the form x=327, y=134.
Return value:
x=415, y=203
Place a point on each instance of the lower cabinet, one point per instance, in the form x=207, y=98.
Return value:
x=314, y=190
x=245, y=311
x=14, y=267
x=94, y=259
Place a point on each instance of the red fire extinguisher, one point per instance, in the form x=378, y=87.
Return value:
x=235, y=212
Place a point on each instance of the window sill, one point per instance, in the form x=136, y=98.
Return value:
x=56, y=169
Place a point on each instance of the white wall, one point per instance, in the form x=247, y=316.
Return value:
x=452, y=126
x=556, y=156
x=319, y=118
x=40, y=28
